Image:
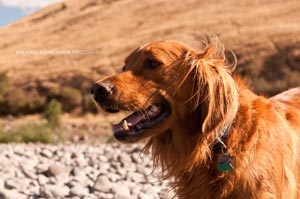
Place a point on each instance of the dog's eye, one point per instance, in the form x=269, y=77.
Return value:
x=152, y=63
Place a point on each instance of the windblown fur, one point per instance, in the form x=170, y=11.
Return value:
x=205, y=98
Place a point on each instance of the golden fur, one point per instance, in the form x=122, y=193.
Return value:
x=205, y=98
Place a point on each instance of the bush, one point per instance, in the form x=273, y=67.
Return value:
x=17, y=102
x=33, y=99
x=4, y=86
x=89, y=105
x=52, y=113
x=36, y=103
x=29, y=133
x=70, y=98
x=36, y=133
x=6, y=137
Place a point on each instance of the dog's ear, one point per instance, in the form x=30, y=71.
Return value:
x=215, y=92
x=217, y=52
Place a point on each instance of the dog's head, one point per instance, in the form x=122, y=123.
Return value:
x=167, y=84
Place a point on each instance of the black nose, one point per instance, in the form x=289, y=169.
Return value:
x=101, y=91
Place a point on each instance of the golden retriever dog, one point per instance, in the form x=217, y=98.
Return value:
x=205, y=128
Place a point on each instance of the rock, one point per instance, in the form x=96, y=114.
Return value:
x=80, y=160
x=42, y=167
x=124, y=158
x=122, y=196
x=103, y=184
x=19, y=174
x=135, y=191
x=122, y=171
x=93, y=175
x=66, y=159
x=141, y=168
x=57, y=169
x=83, y=181
x=79, y=190
x=52, y=180
x=32, y=190
x=104, y=166
x=25, y=153
x=136, y=158
x=143, y=196
x=62, y=179
x=1, y=184
x=135, y=177
x=103, y=158
x=121, y=191
x=116, y=164
x=104, y=195
x=130, y=167
x=11, y=194
x=20, y=184
x=54, y=191
x=46, y=153
x=58, y=153
x=42, y=179
x=148, y=192
x=114, y=176
x=82, y=171
x=90, y=197
x=29, y=173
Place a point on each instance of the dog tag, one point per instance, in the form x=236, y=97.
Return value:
x=224, y=163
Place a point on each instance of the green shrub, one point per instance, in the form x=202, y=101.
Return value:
x=16, y=102
x=6, y=137
x=36, y=104
x=70, y=98
x=89, y=105
x=29, y=100
x=50, y=89
x=36, y=133
x=4, y=86
x=29, y=133
x=52, y=113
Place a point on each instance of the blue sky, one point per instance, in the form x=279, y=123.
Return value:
x=12, y=10
x=9, y=14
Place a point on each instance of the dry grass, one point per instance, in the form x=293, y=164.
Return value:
x=255, y=29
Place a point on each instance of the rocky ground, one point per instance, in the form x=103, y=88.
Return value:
x=104, y=171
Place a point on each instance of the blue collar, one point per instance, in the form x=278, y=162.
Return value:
x=224, y=158
x=220, y=145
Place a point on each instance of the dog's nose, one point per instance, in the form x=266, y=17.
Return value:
x=101, y=91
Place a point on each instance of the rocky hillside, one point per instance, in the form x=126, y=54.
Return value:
x=88, y=39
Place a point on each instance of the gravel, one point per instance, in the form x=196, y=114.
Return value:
x=78, y=171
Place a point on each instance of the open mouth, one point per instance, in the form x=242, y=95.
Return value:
x=135, y=124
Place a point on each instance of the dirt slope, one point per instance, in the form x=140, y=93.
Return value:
x=265, y=34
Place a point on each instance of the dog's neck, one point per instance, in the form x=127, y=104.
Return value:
x=189, y=158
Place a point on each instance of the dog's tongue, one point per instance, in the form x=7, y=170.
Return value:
x=137, y=117
x=131, y=120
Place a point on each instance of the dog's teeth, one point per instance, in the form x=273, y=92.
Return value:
x=125, y=126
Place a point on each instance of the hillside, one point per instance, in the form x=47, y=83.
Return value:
x=265, y=34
